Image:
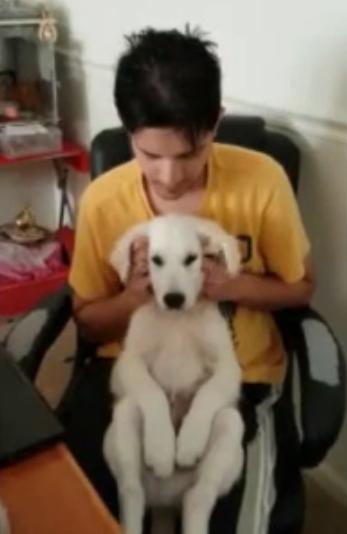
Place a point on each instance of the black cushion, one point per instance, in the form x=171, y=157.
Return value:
x=35, y=332
x=242, y=131
x=111, y=147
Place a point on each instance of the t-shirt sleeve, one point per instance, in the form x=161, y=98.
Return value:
x=91, y=276
x=283, y=241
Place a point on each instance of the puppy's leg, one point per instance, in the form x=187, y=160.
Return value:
x=122, y=450
x=131, y=378
x=219, y=470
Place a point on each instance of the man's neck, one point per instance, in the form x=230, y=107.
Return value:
x=189, y=203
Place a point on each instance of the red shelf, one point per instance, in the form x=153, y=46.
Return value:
x=19, y=297
x=72, y=153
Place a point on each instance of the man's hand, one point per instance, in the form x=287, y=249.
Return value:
x=219, y=284
x=138, y=283
x=107, y=319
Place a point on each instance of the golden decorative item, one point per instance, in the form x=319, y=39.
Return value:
x=25, y=219
x=24, y=230
x=47, y=27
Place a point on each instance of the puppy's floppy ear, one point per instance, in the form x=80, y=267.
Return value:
x=120, y=257
x=216, y=241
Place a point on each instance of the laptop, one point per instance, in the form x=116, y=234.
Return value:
x=26, y=422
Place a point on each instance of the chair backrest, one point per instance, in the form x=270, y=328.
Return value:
x=111, y=146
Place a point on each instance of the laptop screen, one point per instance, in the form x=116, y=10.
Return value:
x=26, y=422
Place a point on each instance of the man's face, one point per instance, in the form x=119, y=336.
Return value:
x=171, y=165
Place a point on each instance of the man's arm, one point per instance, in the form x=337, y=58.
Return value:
x=270, y=293
x=107, y=319
x=104, y=320
x=259, y=292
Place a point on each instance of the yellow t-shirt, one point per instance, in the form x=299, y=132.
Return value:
x=249, y=195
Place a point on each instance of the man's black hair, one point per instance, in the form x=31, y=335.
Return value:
x=169, y=79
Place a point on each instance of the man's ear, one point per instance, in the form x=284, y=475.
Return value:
x=120, y=257
x=216, y=242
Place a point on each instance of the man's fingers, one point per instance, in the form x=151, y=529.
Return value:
x=140, y=258
x=139, y=261
x=207, y=266
x=140, y=244
x=140, y=269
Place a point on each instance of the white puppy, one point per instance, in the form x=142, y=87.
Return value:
x=176, y=432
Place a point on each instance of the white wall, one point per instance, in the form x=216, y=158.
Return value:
x=285, y=54
x=285, y=60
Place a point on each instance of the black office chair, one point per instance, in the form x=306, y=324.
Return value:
x=309, y=341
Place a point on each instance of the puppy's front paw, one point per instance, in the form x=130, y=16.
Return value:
x=191, y=442
x=159, y=449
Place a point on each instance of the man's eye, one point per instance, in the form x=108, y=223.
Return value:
x=157, y=260
x=151, y=156
x=191, y=258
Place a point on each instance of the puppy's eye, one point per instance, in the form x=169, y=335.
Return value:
x=157, y=260
x=191, y=258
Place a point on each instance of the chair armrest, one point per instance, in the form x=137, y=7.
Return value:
x=322, y=380
x=33, y=334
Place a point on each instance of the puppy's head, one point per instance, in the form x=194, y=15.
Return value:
x=177, y=245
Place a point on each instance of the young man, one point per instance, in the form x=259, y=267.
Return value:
x=168, y=96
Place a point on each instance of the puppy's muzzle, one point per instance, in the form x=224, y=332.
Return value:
x=174, y=301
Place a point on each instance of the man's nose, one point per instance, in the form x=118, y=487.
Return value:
x=170, y=173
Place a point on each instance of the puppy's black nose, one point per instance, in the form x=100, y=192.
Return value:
x=174, y=301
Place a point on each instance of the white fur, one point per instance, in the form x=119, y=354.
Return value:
x=172, y=358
